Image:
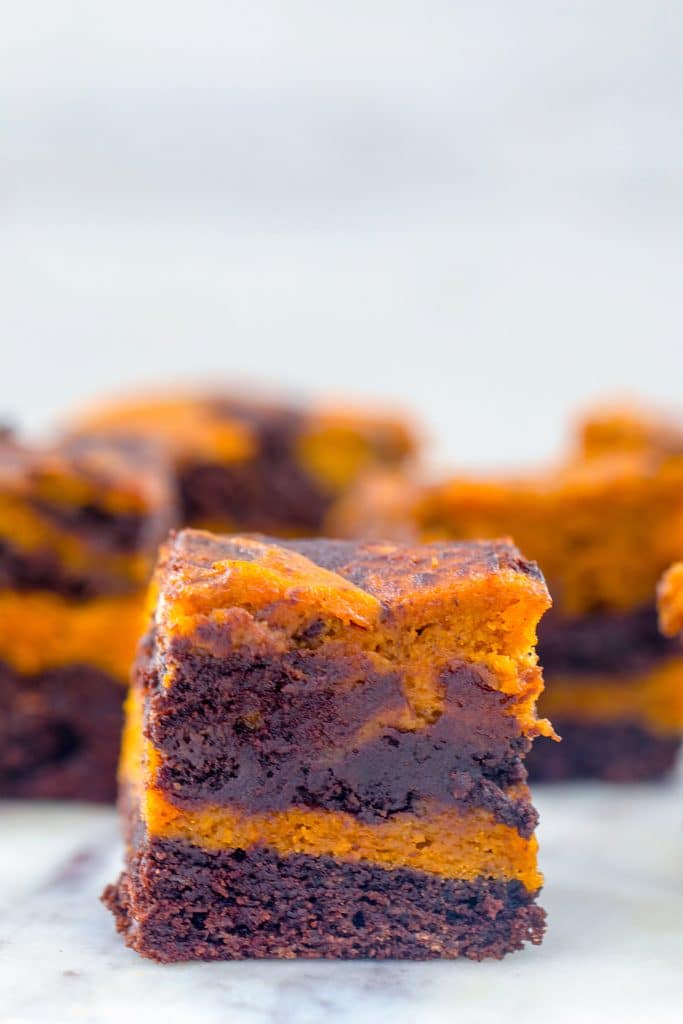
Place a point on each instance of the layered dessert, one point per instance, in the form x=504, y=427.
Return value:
x=602, y=530
x=324, y=752
x=79, y=528
x=250, y=464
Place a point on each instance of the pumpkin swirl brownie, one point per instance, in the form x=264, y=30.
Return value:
x=79, y=528
x=324, y=750
x=243, y=463
x=602, y=530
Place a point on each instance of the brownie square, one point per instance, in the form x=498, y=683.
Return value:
x=79, y=526
x=324, y=752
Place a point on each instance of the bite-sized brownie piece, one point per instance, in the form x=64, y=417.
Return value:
x=602, y=530
x=79, y=526
x=324, y=752
x=243, y=463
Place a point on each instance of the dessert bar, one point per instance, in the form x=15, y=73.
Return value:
x=324, y=752
x=79, y=527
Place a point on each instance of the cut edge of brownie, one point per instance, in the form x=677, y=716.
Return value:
x=182, y=898
x=178, y=902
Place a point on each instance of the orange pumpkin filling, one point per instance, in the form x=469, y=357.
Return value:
x=601, y=531
x=41, y=631
x=629, y=428
x=653, y=698
x=670, y=600
x=187, y=427
x=442, y=842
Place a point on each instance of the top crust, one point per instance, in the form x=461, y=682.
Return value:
x=477, y=598
x=412, y=609
x=385, y=571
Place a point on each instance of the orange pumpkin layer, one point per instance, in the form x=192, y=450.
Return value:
x=602, y=530
x=41, y=631
x=26, y=530
x=670, y=600
x=88, y=511
x=653, y=698
x=629, y=428
x=442, y=842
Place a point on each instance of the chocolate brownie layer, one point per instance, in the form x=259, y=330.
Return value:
x=59, y=734
x=268, y=496
x=622, y=643
x=42, y=570
x=265, y=714
x=265, y=491
x=204, y=905
x=621, y=752
x=109, y=531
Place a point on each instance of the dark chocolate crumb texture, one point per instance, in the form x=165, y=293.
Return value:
x=235, y=904
x=323, y=754
x=60, y=733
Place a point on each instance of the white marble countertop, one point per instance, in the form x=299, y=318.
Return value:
x=613, y=860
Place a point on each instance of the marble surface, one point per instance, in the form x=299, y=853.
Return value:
x=613, y=859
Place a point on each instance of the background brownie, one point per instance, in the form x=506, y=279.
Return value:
x=603, y=530
x=244, y=463
x=79, y=527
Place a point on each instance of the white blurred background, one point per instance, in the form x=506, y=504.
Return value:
x=475, y=208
